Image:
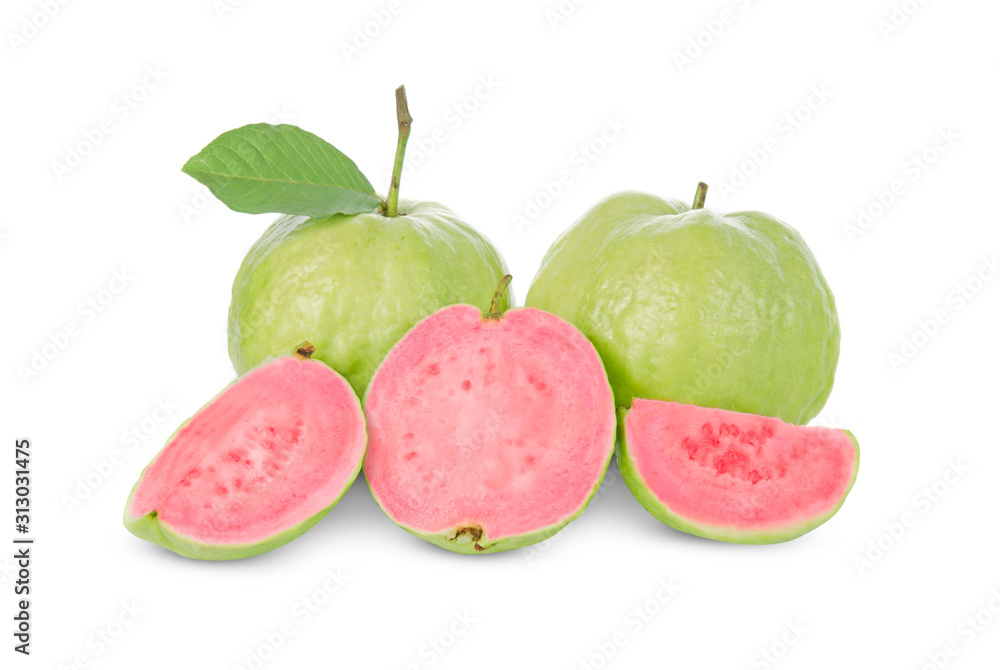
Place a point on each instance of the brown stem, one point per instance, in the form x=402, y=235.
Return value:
x=699, y=195
x=495, y=312
x=404, y=120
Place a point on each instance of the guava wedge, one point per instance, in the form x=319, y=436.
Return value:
x=256, y=467
x=730, y=476
x=488, y=433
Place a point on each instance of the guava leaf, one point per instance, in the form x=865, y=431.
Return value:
x=282, y=169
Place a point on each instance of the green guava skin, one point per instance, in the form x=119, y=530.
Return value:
x=724, y=311
x=464, y=544
x=354, y=284
x=653, y=505
x=151, y=528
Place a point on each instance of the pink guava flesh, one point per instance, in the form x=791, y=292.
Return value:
x=740, y=472
x=274, y=449
x=500, y=425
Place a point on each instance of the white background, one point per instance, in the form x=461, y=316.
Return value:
x=569, y=603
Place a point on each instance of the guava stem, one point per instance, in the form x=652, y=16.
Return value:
x=495, y=312
x=305, y=350
x=699, y=195
x=404, y=119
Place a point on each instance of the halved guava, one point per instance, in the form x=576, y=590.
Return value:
x=732, y=476
x=488, y=433
x=256, y=467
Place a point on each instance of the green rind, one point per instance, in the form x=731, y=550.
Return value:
x=149, y=527
x=380, y=277
x=689, y=306
x=654, y=506
x=445, y=538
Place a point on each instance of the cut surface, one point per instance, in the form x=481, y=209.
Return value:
x=274, y=450
x=733, y=476
x=488, y=434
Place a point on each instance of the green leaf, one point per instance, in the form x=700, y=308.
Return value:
x=282, y=169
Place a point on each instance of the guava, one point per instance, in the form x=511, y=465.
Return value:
x=488, y=432
x=732, y=476
x=354, y=284
x=727, y=311
x=256, y=467
x=343, y=267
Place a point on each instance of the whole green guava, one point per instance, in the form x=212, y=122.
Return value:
x=354, y=284
x=726, y=311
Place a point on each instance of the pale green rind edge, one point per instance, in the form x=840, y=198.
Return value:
x=148, y=527
x=442, y=539
x=642, y=493
x=445, y=539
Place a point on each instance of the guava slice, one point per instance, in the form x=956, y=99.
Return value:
x=488, y=433
x=256, y=467
x=731, y=476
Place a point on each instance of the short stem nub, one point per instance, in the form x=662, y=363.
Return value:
x=495, y=311
x=699, y=195
x=305, y=350
x=404, y=120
